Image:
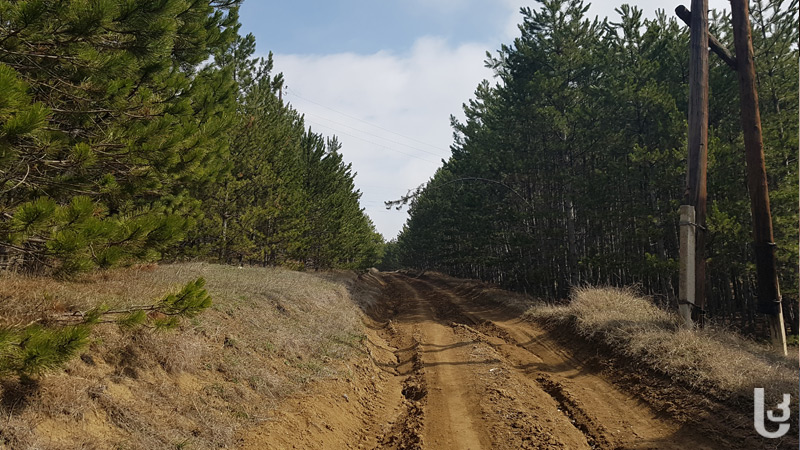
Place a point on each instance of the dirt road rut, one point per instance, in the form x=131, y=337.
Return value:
x=457, y=373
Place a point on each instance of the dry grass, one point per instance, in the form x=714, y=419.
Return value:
x=268, y=333
x=714, y=361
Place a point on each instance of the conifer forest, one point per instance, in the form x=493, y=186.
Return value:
x=570, y=166
x=186, y=260
x=142, y=131
x=137, y=131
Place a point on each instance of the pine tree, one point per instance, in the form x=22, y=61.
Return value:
x=570, y=169
x=119, y=122
x=339, y=233
x=288, y=197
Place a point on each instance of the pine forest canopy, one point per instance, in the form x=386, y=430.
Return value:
x=136, y=130
x=583, y=138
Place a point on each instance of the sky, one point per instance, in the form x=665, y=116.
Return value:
x=385, y=76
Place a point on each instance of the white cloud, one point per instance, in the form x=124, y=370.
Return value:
x=390, y=111
x=605, y=8
x=406, y=99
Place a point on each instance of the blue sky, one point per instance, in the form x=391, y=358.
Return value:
x=361, y=26
x=385, y=76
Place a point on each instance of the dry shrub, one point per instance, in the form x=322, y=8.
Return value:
x=712, y=360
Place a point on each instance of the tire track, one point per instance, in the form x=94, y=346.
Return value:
x=472, y=399
x=547, y=392
x=448, y=368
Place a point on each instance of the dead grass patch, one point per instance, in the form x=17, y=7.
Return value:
x=715, y=361
x=268, y=332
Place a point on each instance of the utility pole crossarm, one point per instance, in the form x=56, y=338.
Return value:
x=716, y=47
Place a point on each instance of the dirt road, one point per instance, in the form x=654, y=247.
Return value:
x=451, y=372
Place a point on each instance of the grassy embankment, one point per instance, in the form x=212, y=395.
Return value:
x=268, y=333
x=705, y=377
x=712, y=362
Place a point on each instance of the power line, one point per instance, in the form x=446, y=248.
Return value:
x=382, y=187
x=371, y=142
x=375, y=135
x=294, y=92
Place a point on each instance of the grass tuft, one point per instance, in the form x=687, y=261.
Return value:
x=712, y=360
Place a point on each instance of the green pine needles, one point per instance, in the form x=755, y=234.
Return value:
x=37, y=348
x=188, y=302
x=136, y=130
x=581, y=149
x=109, y=121
x=81, y=235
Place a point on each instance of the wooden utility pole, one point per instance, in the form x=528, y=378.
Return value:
x=686, y=254
x=769, y=296
x=695, y=195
